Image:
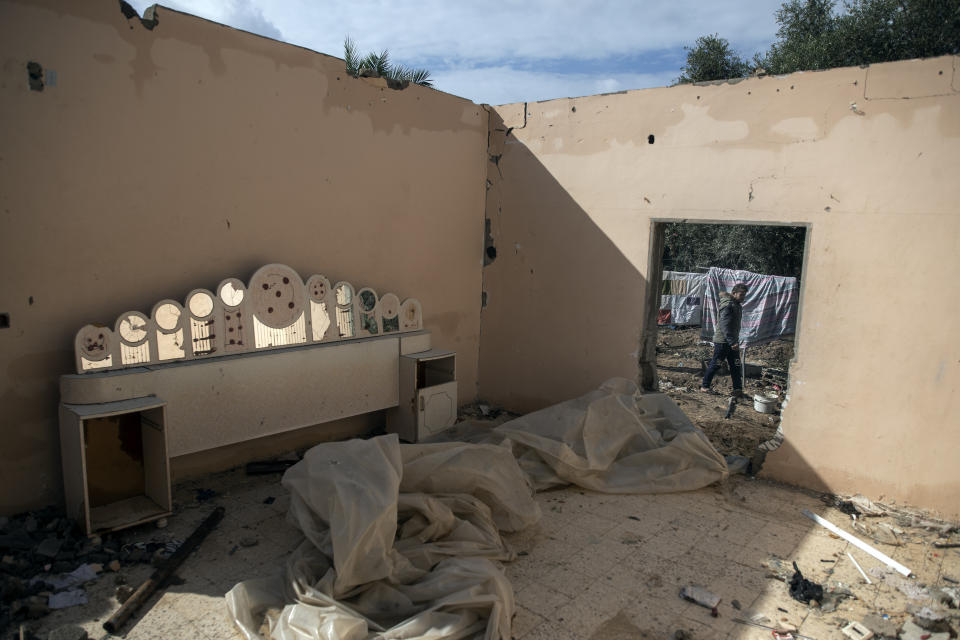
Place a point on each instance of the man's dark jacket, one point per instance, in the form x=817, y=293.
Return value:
x=728, y=324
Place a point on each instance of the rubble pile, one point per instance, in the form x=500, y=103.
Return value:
x=45, y=560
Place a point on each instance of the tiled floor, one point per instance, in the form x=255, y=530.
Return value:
x=596, y=565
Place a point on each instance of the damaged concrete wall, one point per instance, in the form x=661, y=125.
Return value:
x=140, y=160
x=867, y=157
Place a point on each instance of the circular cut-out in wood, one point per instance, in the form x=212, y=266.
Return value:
x=167, y=316
x=368, y=299
x=277, y=295
x=231, y=292
x=94, y=342
x=200, y=304
x=389, y=306
x=132, y=327
x=317, y=288
x=410, y=315
x=344, y=293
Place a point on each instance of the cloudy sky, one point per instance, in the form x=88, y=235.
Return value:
x=509, y=51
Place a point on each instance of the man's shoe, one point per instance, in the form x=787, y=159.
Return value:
x=738, y=393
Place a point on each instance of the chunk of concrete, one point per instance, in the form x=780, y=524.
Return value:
x=68, y=632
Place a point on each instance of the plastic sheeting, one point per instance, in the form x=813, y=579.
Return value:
x=614, y=440
x=681, y=299
x=403, y=541
x=769, y=309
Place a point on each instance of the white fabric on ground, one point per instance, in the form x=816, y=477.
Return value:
x=614, y=440
x=403, y=541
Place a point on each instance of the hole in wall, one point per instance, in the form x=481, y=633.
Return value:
x=490, y=251
x=682, y=309
x=650, y=139
x=35, y=76
x=4, y=320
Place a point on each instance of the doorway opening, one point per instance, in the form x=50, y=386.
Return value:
x=693, y=267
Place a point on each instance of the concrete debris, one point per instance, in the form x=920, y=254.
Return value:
x=857, y=631
x=49, y=547
x=66, y=599
x=911, y=631
x=68, y=632
x=777, y=568
x=43, y=552
x=908, y=588
x=881, y=533
x=880, y=626
x=950, y=596
x=31, y=607
x=865, y=506
x=833, y=595
x=700, y=596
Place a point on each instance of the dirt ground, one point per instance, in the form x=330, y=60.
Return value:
x=681, y=359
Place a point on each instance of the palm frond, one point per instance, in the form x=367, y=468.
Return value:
x=350, y=56
x=409, y=74
x=421, y=77
x=377, y=62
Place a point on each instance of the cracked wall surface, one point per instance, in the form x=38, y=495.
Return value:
x=169, y=158
x=866, y=156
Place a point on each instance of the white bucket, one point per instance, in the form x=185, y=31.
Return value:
x=764, y=404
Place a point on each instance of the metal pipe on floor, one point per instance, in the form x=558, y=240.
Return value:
x=162, y=574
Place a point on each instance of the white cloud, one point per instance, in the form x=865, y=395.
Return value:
x=486, y=52
x=528, y=30
x=502, y=85
x=241, y=14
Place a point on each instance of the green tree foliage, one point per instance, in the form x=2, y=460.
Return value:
x=712, y=58
x=379, y=65
x=813, y=34
x=771, y=250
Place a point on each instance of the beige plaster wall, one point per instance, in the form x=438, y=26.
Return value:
x=166, y=160
x=867, y=157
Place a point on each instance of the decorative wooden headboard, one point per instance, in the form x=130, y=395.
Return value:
x=244, y=363
x=275, y=310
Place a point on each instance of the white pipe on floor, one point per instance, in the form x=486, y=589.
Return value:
x=887, y=560
x=857, y=565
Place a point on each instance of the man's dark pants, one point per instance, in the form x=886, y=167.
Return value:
x=721, y=352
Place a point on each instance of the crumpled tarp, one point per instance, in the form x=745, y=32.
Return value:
x=403, y=541
x=400, y=542
x=614, y=440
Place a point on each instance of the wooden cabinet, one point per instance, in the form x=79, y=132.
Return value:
x=115, y=465
x=428, y=395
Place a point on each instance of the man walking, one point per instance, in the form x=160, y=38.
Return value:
x=726, y=339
